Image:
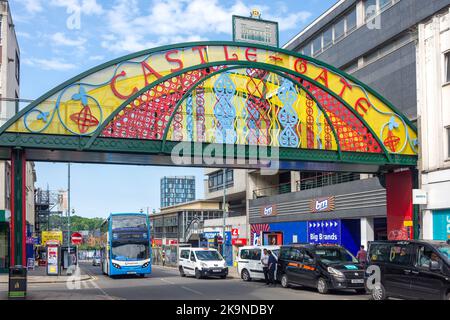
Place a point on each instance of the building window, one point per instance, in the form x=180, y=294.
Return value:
x=447, y=67
x=374, y=7
x=351, y=21
x=339, y=29
x=317, y=45
x=17, y=68
x=215, y=180
x=328, y=38
x=448, y=142
x=370, y=9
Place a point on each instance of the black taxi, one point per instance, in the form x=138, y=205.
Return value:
x=324, y=267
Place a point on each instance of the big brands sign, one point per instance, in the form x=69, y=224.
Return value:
x=322, y=205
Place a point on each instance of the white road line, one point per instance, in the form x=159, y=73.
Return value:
x=192, y=290
x=167, y=281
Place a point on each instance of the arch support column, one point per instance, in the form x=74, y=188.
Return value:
x=18, y=208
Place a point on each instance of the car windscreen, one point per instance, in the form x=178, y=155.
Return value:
x=208, y=255
x=334, y=255
x=445, y=251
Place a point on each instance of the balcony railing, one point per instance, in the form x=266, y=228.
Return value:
x=325, y=180
x=306, y=184
x=272, y=191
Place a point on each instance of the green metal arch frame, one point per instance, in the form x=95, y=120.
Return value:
x=256, y=65
x=201, y=43
x=298, y=84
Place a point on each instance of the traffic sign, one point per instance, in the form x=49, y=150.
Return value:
x=77, y=238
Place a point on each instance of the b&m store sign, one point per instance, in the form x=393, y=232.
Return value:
x=441, y=225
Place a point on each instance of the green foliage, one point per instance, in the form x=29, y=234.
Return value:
x=77, y=223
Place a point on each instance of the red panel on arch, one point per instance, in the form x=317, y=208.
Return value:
x=399, y=200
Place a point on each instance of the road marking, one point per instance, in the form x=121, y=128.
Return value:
x=192, y=290
x=167, y=281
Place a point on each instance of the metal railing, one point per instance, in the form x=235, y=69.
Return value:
x=272, y=191
x=326, y=180
x=306, y=184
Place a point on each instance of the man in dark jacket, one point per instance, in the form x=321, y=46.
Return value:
x=272, y=266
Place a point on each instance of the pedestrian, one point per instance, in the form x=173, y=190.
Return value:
x=362, y=255
x=265, y=264
x=272, y=267
x=163, y=258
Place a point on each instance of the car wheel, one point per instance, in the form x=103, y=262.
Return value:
x=198, y=274
x=379, y=293
x=284, y=281
x=182, y=272
x=245, y=275
x=322, y=286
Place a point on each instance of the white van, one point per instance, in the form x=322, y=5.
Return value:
x=249, y=261
x=202, y=262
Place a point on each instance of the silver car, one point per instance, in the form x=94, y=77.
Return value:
x=96, y=261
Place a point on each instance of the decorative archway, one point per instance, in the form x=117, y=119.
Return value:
x=138, y=108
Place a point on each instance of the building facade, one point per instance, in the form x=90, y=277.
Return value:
x=177, y=190
x=433, y=79
x=182, y=223
x=376, y=41
x=9, y=106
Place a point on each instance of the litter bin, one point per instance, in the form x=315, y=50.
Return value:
x=17, y=282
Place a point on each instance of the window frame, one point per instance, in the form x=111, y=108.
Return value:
x=446, y=68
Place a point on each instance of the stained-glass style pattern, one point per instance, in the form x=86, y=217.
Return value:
x=224, y=93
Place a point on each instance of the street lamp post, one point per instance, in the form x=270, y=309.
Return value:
x=224, y=207
x=68, y=216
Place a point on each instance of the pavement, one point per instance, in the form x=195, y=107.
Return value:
x=165, y=283
x=38, y=275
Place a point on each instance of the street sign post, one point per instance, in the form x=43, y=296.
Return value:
x=77, y=238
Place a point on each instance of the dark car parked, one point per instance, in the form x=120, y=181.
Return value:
x=323, y=267
x=415, y=269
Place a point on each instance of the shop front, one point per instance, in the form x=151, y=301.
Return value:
x=4, y=241
x=348, y=214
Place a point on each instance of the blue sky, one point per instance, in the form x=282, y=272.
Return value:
x=61, y=38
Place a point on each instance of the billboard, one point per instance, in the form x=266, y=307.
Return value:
x=51, y=236
x=255, y=30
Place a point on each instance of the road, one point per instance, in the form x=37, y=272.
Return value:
x=166, y=284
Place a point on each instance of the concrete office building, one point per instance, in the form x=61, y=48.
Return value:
x=377, y=42
x=433, y=82
x=177, y=190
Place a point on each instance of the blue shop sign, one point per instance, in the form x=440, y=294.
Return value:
x=441, y=225
x=326, y=231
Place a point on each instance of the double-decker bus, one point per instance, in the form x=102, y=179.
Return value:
x=126, y=247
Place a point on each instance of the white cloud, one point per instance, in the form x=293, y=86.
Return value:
x=97, y=58
x=60, y=39
x=88, y=7
x=53, y=64
x=167, y=21
x=32, y=6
